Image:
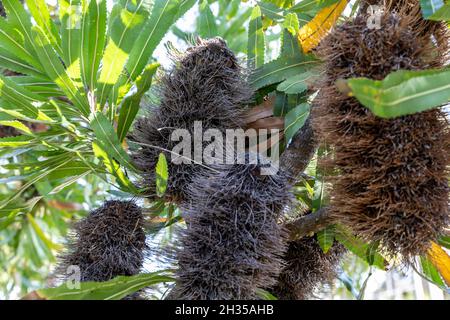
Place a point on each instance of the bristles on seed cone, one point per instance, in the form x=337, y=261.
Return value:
x=391, y=182
x=109, y=242
x=233, y=243
x=206, y=84
x=7, y=131
x=307, y=269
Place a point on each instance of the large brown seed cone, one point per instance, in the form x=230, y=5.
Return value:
x=206, y=84
x=233, y=243
x=391, y=175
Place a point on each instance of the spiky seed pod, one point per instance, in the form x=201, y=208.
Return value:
x=109, y=242
x=206, y=84
x=233, y=243
x=391, y=182
x=307, y=269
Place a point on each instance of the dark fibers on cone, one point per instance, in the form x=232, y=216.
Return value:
x=206, y=84
x=391, y=174
x=307, y=269
x=7, y=131
x=233, y=243
x=109, y=242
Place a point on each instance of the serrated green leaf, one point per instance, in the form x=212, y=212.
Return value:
x=114, y=168
x=19, y=18
x=114, y=289
x=128, y=21
x=295, y=84
x=271, y=10
x=289, y=45
x=56, y=71
x=70, y=14
x=161, y=18
x=325, y=238
x=403, y=92
x=281, y=69
x=291, y=23
x=295, y=120
x=41, y=16
x=41, y=87
x=358, y=247
x=107, y=139
x=11, y=62
x=256, y=42
x=431, y=272
x=207, y=27
x=93, y=38
x=162, y=174
x=130, y=105
x=12, y=41
x=20, y=97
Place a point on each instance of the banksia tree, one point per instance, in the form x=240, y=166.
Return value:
x=206, y=86
x=80, y=76
x=109, y=242
x=391, y=174
x=233, y=243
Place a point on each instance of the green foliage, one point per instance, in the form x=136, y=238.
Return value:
x=84, y=72
x=114, y=289
x=435, y=10
x=403, y=92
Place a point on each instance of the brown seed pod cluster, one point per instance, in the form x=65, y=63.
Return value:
x=233, y=243
x=206, y=84
x=109, y=242
x=391, y=174
x=307, y=269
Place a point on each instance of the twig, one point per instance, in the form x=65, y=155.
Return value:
x=309, y=224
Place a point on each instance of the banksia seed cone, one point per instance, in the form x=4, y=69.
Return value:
x=307, y=269
x=207, y=84
x=391, y=183
x=233, y=243
x=109, y=242
x=7, y=131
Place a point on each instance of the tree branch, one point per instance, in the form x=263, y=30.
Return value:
x=309, y=224
x=298, y=155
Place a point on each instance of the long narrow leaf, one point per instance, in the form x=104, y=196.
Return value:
x=256, y=41
x=124, y=31
x=55, y=70
x=70, y=16
x=108, y=140
x=281, y=69
x=162, y=17
x=114, y=289
x=41, y=15
x=130, y=105
x=93, y=37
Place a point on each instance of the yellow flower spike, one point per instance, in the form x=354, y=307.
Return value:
x=310, y=34
x=441, y=260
